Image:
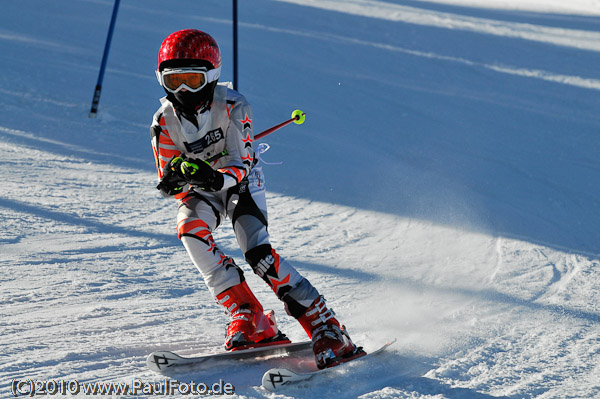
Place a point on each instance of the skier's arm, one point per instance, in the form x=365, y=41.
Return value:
x=170, y=183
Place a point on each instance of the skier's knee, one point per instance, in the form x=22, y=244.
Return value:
x=260, y=258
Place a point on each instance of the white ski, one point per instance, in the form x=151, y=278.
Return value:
x=162, y=361
x=277, y=378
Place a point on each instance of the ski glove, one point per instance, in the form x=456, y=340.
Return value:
x=172, y=181
x=200, y=174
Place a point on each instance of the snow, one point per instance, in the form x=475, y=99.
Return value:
x=443, y=191
x=581, y=7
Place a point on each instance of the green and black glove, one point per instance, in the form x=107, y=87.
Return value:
x=200, y=174
x=172, y=181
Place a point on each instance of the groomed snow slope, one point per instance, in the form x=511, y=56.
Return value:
x=443, y=191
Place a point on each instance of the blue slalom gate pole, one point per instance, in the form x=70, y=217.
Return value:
x=235, y=45
x=98, y=89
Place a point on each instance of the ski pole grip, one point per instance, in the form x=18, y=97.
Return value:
x=299, y=117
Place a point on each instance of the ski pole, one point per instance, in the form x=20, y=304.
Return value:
x=298, y=118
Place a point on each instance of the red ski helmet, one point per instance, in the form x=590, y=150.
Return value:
x=191, y=48
x=189, y=45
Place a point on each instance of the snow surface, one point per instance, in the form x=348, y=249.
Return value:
x=443, y=191
x=581, y=7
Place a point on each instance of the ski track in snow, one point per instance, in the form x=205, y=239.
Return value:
x=575, y=7
x=581, y=39
x=94, y=277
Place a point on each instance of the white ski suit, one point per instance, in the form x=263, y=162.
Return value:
x=224, y=137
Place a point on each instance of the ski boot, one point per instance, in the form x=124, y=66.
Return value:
x=250, y=325
x=331, y=343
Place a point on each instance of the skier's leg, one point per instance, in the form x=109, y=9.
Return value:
x=197, y=218
x=247, y=210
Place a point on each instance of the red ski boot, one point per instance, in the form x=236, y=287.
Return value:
x=331, y=343
x=250, y=326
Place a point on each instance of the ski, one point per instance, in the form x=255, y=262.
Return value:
x=162, y=361
x=277, y=378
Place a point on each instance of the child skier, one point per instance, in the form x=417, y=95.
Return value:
x=202, y=137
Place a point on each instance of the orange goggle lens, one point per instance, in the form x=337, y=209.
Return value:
x=193, y=80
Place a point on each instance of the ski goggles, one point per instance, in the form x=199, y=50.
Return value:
x=191, y=79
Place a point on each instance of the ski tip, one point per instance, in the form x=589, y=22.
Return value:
x=278, y=377
x=386, y=345
x=161, y=360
